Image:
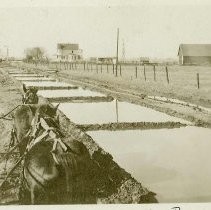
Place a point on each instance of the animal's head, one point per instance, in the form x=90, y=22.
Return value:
x=30, y=95
x=49, y=113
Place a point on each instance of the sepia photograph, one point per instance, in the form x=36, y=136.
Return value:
x=105, y=102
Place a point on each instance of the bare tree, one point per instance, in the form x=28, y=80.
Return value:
x=35, y=54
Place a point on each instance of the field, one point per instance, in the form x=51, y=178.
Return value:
x=130, y=85
x=182, y=84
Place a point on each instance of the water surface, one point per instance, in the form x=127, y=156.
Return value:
x=174, y=163
x=68, y=93
x=107, y=112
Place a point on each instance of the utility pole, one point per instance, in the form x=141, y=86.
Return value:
x=117, y=49
x=123, y=50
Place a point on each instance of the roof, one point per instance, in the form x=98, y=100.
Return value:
x=67, y=46
x=195, y=49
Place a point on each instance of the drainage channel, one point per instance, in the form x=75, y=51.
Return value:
x=169, y=159
x=171, y=162
x=176, y=101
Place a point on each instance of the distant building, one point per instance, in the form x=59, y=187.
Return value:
x=144, y=60
x=107, y=59
x=194, y=54
x=69, y=52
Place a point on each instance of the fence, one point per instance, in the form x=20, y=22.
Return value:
x=147, y=73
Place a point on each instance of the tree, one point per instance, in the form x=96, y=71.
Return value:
x=35, y=53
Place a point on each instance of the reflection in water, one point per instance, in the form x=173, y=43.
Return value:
x=117, y=111
x=173, y=163
x=105, y=112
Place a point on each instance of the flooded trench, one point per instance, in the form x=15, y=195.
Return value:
x=171, y=162
x=174, y=163
x=114, y=111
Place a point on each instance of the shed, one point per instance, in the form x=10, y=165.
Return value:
x=194, y=54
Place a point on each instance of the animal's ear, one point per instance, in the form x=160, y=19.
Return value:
x=35, y=90
x=56, y=107
x=24, y=88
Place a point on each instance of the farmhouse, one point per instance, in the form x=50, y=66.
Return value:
x=194, y=54
x=68, y=52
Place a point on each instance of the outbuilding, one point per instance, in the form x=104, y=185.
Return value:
x=194, y=54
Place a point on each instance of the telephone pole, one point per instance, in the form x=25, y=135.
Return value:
x=123, y=50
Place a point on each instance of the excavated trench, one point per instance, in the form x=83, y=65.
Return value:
x=141, y=140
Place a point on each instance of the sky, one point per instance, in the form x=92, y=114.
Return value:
x=148, y=28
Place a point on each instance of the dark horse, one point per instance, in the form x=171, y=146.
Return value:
x=54, y=172
x=24, y=114
x=30, y=95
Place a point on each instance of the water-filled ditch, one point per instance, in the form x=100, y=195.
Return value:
x=174, y=163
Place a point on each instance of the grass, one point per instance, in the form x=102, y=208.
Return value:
x=182, y=80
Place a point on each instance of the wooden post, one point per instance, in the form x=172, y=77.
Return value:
x=120, y=70
x=145, y=78
x=197, y=75
x=107, y=67
x=97, y=68
x=113, y=68
x=101, y=68
x=167, y=75
x=154, y=73
x=136, y=72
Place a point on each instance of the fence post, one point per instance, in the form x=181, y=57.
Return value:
x=101, y=68
x=197, y=80
x=136, y=72
x=107, y=67
x=120, y=70
x=154, y=73
x=167, y=75
x=113, y=68
x=145, y=78
x=97, y=68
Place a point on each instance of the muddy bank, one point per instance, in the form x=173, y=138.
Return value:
x=10, y=98
x=81, y=99
x=130, y=126
x=112, y=183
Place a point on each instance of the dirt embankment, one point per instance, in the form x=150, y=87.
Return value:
x=112, y=183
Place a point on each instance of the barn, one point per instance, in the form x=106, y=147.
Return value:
x=194, y=54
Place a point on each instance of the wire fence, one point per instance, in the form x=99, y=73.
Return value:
x=197, y=76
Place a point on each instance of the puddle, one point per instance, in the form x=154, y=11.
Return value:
x=36, y=79
x=109, y=112
x=69, y=93
x=176, y=101
x=173, y=163
x=49, y=85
